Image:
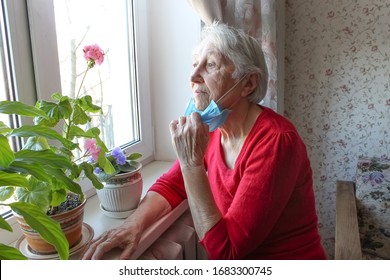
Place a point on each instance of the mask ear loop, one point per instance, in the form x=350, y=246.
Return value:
x=223, y=96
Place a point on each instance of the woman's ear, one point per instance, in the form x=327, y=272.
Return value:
x=251, y=82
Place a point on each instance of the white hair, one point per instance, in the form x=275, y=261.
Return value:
x=243, y=51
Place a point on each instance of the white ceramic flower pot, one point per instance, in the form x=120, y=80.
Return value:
x=122, y=193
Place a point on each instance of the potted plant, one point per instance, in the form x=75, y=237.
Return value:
x=122, y=189
x=45, y=172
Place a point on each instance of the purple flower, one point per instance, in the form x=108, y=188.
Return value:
x=97, y=170
x=375, y=178
x=119, y=156
x=121, y=160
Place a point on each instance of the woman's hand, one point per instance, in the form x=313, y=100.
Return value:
x=189, y=139
x=127, y=237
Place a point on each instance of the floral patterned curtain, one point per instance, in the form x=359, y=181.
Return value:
x=257, y=18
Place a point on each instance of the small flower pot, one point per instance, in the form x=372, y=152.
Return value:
x=71, y=223
x=122, y=193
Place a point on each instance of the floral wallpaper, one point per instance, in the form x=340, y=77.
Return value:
x=337, y=90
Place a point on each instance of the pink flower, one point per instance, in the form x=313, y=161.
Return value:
x=93, y=54
x=328, y=72
x=91, y=148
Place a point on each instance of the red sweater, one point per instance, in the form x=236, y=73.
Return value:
x=267, y=200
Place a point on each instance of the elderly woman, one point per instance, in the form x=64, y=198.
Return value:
x=249, y=182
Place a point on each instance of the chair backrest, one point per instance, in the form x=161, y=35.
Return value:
x=347, y=243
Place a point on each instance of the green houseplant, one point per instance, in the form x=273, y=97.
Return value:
x=45, y=171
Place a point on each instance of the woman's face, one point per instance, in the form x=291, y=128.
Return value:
x=211, y=76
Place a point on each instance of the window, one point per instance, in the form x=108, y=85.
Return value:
x=121, y=82
x=58, y=31
x=112, y=84
x=15, y=61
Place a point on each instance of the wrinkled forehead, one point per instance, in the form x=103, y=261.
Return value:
x=206, y=49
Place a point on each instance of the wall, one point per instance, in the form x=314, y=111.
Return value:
x=337, y=89
x=170, y=65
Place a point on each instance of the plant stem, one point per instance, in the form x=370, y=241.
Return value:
x=74, y=103
x=82, y=82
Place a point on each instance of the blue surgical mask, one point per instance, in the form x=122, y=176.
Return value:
x=212, y=115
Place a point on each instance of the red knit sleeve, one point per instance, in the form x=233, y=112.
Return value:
x=269, y=176
x=171, y=186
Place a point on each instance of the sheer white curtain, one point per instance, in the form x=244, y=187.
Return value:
x=257, y=18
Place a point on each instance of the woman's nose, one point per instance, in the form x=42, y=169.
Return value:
x=196, y=77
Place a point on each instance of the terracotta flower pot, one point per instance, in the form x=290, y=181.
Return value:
x=71, y=223
x=122, y=193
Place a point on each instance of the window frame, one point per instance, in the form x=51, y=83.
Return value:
x=36, y=70
x=19, y=48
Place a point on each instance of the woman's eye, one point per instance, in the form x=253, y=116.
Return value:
x=210, y=64
x=194, y=65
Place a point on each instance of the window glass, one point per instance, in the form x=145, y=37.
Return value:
x=29, y=68
x=3, y=91
x=112, y=86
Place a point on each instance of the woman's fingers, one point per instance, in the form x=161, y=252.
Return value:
x=97, y=247
x=189, y=138
x=125, y=238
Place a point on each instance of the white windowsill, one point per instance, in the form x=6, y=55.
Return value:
x=94, y=217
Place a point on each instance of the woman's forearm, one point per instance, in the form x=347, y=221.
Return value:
x=151, y=209
x=200, y=199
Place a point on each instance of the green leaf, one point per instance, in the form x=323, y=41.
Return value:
x=93, y=132
x=76, y=131
x=58, y=96
x=127, y=167
x=88, y=171
x=64, y=151
x=6, y=154
x=50, y=122
x=6, y=193
x=38, y=193
x=134, y=156
x=105, y=164
x=40, y=130
x=56, y=111
x=13, y=179
x=10, y=253
x=19, y=108
x=36, y=143
x=49, y=229
x=4, y=129
x=79, y=116
x=46, y=157
x=4, y=224
x=38, y=170
x=384, y=166
x=58, y=196
x=66, y=182
x=101, y=144
x=75, y=172
x=87, y=105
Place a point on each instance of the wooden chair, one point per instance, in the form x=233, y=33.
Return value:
x=347, y=243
